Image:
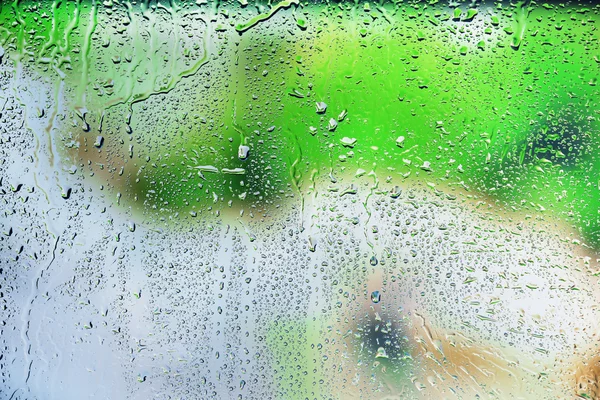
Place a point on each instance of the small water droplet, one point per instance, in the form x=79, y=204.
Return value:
x=381, y=353
x=332, y=124
x=321, y=107
x=243, y=152
x=375, y=296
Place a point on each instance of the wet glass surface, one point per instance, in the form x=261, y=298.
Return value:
x=299, y=200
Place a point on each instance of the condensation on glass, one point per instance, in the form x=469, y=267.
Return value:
x=299, y=200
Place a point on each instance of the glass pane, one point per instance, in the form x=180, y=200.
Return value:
x=299, y=200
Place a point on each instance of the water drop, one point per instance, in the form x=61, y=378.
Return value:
x=375, y=296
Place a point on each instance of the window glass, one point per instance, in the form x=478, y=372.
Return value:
x=299, y=200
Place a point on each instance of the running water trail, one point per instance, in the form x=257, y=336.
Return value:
x=26, y=314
